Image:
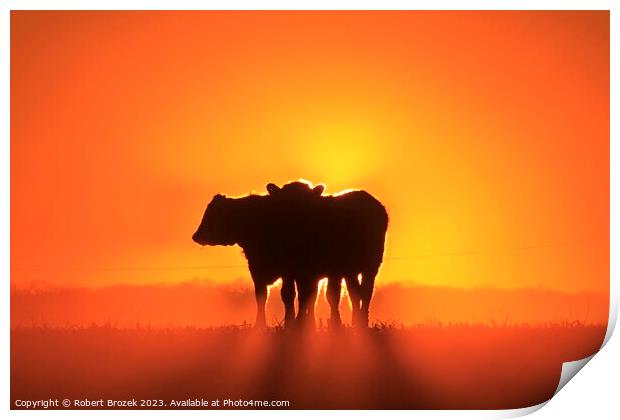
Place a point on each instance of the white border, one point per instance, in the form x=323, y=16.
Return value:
x=601, y=387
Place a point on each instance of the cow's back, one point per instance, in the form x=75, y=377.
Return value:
x=352, y=232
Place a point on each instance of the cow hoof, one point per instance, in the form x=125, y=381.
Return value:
x=259, y=326
x=305, y=324
x=335, y=324
x=362, y=324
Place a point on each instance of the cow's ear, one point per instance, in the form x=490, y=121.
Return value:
x=318, y=190
x=272, y=188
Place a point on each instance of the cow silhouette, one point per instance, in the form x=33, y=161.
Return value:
x=340, y=237
x=299, y=235
x=263, y=231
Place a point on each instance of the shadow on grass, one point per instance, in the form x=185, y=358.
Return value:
x=435, y=366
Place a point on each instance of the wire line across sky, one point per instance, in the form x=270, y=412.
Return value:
x=388, y=259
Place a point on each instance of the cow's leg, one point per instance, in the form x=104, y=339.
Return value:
x=306, y=295
x=288, y=297
x=367, y=287
x=261, y=278
x=302, y=302
x=333, y=298
x=353, y=287
x=260, y=291
x=311, y=318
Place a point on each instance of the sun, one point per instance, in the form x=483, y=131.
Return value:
x=342, y=152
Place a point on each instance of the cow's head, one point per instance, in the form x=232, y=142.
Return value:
x=217, y=226
x=295, y=189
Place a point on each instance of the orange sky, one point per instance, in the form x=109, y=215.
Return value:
x=477, y=130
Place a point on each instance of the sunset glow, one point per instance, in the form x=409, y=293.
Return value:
x=478, y=131
x=484, y=134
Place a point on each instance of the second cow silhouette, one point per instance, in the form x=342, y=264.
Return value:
x=297, y=234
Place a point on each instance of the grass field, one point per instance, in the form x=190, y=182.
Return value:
x=211, y=304
x=428, y=366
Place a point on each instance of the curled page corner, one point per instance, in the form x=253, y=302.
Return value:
x=520, y=412
x=570, y=369
x=613, y=313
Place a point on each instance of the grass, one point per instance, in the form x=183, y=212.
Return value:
x=427, y=366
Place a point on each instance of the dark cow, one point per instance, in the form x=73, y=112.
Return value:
x=252, y=223
x=297, y=235
x=341, y=237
